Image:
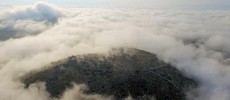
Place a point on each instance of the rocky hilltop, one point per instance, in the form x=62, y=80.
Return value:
x=120, y=72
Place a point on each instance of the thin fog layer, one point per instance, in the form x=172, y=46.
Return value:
x=196, y=42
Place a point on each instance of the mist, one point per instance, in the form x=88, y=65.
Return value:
x=195, y=41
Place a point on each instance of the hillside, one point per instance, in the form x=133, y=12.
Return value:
x=120, y=72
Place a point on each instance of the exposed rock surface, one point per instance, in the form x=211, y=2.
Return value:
x=121, y=72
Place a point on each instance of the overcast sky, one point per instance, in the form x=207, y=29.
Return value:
x=194, y=4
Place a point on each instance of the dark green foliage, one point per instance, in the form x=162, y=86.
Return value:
x=124, y=72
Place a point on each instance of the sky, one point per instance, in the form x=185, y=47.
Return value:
x=180, y=4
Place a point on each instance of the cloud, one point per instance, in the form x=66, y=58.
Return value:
x=30, y=20
x=196, y=42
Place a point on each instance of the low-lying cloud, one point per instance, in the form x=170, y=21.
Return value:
x=30, y=20
x=196, y=42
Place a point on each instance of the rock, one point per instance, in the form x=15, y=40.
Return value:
x=121, y=72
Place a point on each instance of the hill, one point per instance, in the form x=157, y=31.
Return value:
x=120, y=72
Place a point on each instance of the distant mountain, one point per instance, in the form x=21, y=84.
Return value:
x=120, y=72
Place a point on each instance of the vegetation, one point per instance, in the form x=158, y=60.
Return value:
x=121, y=72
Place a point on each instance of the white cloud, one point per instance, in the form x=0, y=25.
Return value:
x=29, y=20
x=196, y=42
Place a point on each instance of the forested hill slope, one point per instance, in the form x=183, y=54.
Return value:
x=121, y=72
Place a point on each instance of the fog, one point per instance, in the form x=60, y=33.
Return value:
x=195, y=41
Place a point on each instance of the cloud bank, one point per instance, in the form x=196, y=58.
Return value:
x=196, y=42
x=31, y=20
